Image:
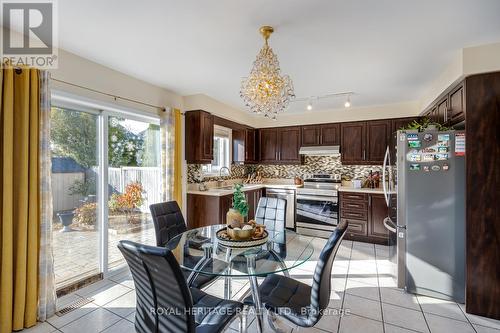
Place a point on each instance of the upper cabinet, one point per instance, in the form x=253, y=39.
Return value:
x=400, y=123
x=268, y=143
x=311, y=135
x=280, y=145
x=244, y=146
x=321, y=135
x=378, y=133
x=199, y=137
x=289, y=144
x=330, y=134
x=365, y=142
x=353, y=143
x=251, y=147
x=456, y=112
x=449, y=107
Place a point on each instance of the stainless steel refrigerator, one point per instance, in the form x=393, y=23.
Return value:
x=424, y=187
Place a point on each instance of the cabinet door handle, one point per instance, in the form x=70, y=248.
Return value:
x=364, y=154
x=370, y=201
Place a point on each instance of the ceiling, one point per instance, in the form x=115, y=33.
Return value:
x=386, y=51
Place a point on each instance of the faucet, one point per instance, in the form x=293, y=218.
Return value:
x=220, y=182
x=228, y=171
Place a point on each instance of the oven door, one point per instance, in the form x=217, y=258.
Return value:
x=317, y=210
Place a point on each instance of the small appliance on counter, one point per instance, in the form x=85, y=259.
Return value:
x=317, y=210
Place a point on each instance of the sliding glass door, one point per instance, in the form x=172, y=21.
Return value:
x=105, y=174
x=134, y=182
x=75, y=173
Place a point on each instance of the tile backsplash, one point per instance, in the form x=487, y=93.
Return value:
x=312, y=165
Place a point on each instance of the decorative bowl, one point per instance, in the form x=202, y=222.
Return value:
x=240, y=234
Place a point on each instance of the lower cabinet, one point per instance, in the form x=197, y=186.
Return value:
x=204, y=210
x=365, y=214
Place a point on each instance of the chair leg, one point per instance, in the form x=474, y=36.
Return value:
x=243, y=320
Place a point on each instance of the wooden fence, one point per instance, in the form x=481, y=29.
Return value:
x=118, y=178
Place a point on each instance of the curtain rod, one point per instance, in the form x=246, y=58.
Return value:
x=108, y=94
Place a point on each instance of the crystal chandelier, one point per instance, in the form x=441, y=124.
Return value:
x=265, y=90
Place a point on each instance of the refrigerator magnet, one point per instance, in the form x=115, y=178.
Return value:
x=442, y=149
x=446, y=167
x=426, y=168
x=412, y=136
x=443, y=137
x=414, y=167
x=414, y=144
x=428, y=158
x=428, y=137
x=435, y=167
x=415, y=157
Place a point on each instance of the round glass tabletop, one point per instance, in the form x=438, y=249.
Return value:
x=199, y=251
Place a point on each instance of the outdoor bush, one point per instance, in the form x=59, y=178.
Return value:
x=129, y=201
x=86, y=214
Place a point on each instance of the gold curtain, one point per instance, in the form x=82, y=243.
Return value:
x=19, y=194
x=178, y=157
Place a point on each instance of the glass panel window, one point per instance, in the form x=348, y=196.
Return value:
x=74, y=150
x=134, y=182
x=222, y=152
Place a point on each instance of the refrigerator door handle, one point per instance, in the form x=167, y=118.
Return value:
x=389, y=225
x=384, y=167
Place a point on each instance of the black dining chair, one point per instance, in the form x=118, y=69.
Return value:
x=164, y=301
x=298, y=302
x=169, y=222
x=271, y=212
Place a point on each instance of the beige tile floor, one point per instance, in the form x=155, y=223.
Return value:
x=361, y=287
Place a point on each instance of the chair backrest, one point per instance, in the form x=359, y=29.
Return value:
x=321, y=286
x=272, y=213
x=168, y=221
x=162, y=293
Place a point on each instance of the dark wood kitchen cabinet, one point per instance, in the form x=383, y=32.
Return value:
x=365, y=142
x=244, y=146
x=449, y=107
x=204, y=210
x=268, y=143
x=378, y=211
x=280, y=145
x=353, y=149
x=321, y=135
x=330, y=134
x=456, y=112
x=311, y=135
x=378, y=133
x=365, y=214
x=442, y=111
x=399, y=123
x=199, y=137
x=289, y=144
x=251, y=148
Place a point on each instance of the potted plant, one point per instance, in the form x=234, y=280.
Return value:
x=422, y=125
x=66, y=219
x=240, y=206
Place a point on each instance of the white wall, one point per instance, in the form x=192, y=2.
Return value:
x=407, y=109
x=467, y=61
x=86, y=73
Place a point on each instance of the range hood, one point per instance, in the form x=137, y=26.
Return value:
x=320, y=151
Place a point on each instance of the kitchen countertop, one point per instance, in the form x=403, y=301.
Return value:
x=219, y=192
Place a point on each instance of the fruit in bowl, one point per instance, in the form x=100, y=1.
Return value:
x=245, y=231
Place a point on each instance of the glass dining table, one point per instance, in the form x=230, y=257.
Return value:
x=200, y=252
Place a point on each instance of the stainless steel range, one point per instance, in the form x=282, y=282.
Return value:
x=317, y=209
